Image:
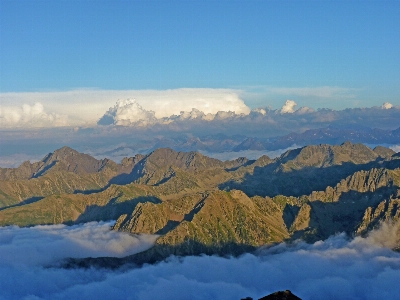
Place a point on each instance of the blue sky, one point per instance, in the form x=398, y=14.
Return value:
x=254, y=46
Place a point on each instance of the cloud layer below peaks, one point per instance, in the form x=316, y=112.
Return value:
x=337, y=268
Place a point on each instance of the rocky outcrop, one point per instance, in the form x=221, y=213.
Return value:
x=361, y=182
x=208, y=222
x=386, y=210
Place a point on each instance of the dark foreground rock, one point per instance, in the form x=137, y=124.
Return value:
x=281, y=295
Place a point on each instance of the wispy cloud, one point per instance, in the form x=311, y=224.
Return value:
x=320, y=92
x=334, y=97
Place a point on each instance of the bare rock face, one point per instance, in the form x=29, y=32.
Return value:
x=212, y=222
x=387, y=210
x=384, y=152
x=361, y=181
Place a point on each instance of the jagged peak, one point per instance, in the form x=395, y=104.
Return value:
x=263, y=160
x=346, y=144
x=66, y=152
x=70, y=160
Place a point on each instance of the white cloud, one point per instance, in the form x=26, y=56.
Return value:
x=130, y=112
x=338, y=268
x=30, y=116
x=194, y=114
x=127, y=112
x=395, y=148
x=260, y=110
x=387, y=105
x=288, y=107
x=172, y=102
x=387, y=236
x=44, y=245
x=88, y=106
x=222, y=115
x=304, y=110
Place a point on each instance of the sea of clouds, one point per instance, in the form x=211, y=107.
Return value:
x=337, y=268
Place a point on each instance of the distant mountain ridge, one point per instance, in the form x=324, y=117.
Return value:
x=328, y=135
x=220, y=143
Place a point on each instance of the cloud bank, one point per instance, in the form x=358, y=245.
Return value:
x=30, y=116
x=86, y=107
x=148, y=107
x=130, y=113
x=44, y=245
x=338, y=268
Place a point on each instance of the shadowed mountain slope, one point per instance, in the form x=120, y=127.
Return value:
x=230, y=223
x=301, y=171
x=78, y=208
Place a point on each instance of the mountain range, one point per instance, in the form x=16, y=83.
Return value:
x=219, y=143
x=201, y=205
